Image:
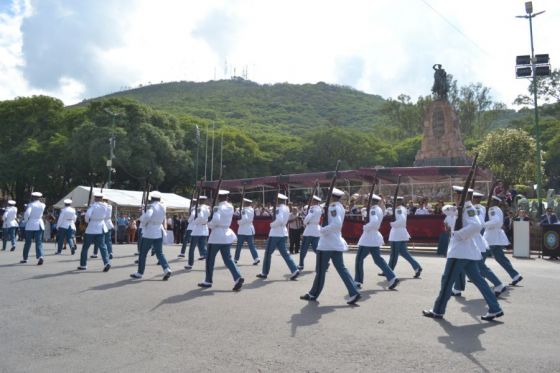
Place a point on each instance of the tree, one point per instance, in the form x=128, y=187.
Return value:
x=548, y=90
x=509, y=154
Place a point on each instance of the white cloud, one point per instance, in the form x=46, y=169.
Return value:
x=385, y=48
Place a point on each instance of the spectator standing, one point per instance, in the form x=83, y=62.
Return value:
x=295, y=228
x=131, y=230
x=122, y=225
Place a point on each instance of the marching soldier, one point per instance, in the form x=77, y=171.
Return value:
x=95, y=232
x=277, y=240
x=220, y=240
x=9, y=225
x=312, y=232
x=464, y=255
x=246, y=232
x=497, y=239
x=398, y=236
x=331, y=246
x=369, y=243
x=188, y=232
x=152, y=236
x=110, y=228
x=199, y=233
x=66, y=227
x=34, y=227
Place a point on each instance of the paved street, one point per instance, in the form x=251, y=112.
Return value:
x=56, y=319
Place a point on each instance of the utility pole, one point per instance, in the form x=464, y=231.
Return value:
x=112, y=144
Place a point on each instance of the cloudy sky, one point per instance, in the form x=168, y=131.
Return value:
x=76, y=49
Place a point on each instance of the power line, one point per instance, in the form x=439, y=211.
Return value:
x=454, y=27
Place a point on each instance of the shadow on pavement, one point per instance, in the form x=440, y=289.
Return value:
x=465, y=339
x=195, y=293
x=310, y=314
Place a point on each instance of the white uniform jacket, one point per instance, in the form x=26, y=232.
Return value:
x=153, y=221
x=480, y=241
x=494, y=234
x=278, y=226
x=109, y=216
x=9, y=217
x=462, y=244
x=67, y=218
x=312, y=222
x=370, y=235
x=246, y=227
x=331, y=235
x=398, y=227
x=95, y=217
x=190, y=224
x=220, y=224
x=33, y=216
x=200, y=226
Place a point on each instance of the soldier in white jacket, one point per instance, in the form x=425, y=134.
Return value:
x=152, y=236
x=398, y=237
x=199, y=233
x=312, y=232
x=188, y=231
x=66, y=227
x=497, y=239
x=370, y=242
x=34, y=227
x=9, y=225
x=95, y=232
x=246, y=232
x=331, y=246
x=220, y=240
x=277, y=239
x=464, y=255
x=110, y=229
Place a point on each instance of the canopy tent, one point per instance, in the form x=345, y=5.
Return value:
x=124, y=199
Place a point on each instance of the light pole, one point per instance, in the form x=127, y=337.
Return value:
x=112, y=144
x=535, y=71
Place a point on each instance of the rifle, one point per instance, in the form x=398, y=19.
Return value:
x=494, y=185
x=90, y=195
x=311, y=195
x=375, y=181
x=328, y=201
x=215, y=199
x=394, y=218
x=459, y=221
x=275, y=203
x=242, y=198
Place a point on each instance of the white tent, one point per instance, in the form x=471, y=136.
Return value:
x=123, y=199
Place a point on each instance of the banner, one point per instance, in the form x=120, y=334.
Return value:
x=551, y=239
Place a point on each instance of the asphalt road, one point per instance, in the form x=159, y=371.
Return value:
x=56, y=319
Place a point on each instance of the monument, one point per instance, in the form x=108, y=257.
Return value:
x=442, y=144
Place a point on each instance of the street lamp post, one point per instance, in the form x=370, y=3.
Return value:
x=530, y=15
x=112, y=143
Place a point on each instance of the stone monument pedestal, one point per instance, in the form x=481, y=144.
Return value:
x=442, y=144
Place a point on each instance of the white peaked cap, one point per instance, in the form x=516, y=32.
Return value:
x=317, y=198
x=448, y=209
x=400, y=197
x=496, y=198
x=459, y=189
x=155, y=194
x=37, y=194
x=223, y=192
x=248, y=200
x=202, y=198
x=337, y=192
x=11, y=202
x=98, y=195
x=68, y=201
x=282, y=196
x=376, y=197
x=477, y=194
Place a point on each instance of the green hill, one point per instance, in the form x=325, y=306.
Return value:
x=288, y=107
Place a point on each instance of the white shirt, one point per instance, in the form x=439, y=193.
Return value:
x=220, y=224
x=398, y=227
x=33, y=216
x=108, y=216
x=200, y=227
x=278, y=226
x=494, y=234
x=67, y=218
x=95, y=217
x=191, y=220
x=331, y=234
x=246, y=227
x=462, y=244
x=370, y=235
x=422, y=211
x=9, y=217
x=153, y=221
x=480, y=241
x=312, y=222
